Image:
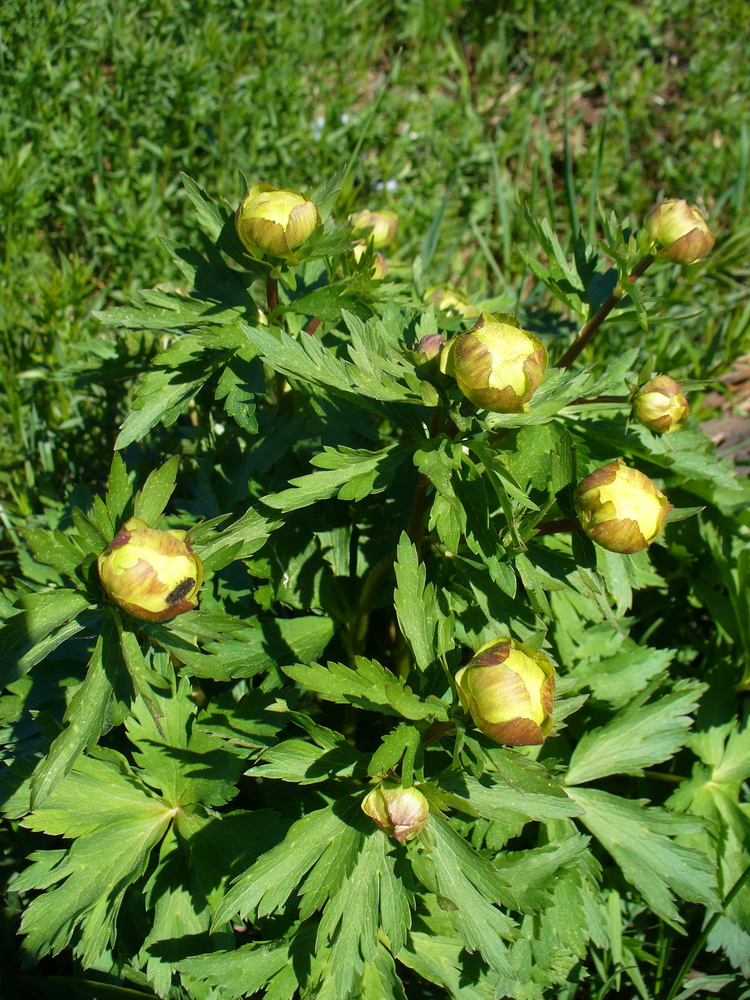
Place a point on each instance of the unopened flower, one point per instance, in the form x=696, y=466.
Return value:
x=400, y=813
x=509, y=689
x=497, y=365
x=152, y=574
x=272, y=222
x=450, y=301
x=620, y=509
x=378, y=227
x=379, y=263
x=660, y=405
x=678, y=232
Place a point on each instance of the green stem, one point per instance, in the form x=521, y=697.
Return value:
x=436, y=732
x=703, y=936
x=589, y=329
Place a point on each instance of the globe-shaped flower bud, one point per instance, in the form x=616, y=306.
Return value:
x=509, y=689
x=620, y=509
x=679, y=232
x=152, y=574
x=450, y=301
x=400, y=813
x=379, y=263
x=272, y=222
x=378, y=227
x=660, y=405
x=498, y=366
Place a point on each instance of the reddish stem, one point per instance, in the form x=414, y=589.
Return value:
x=590, y=328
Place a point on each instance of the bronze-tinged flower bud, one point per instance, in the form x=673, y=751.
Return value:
x=620, y=509
x=400, y=813
x=497, y=365
x=509, y=689
x=151, y=574
x=379, y=263
x=660, y=405
x=450, y=301
x=430, y=346
x=379, y=227
x=272, y=222
x=678, y=232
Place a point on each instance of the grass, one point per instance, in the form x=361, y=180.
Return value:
x=608, y=106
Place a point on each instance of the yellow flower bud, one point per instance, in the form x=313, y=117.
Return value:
x=272, y=222
x=661, y=406
x=151, y=574
x=400, y=813
x=509, y=690
x=678, y=232
x=497, y=365
x=450, y=301
x=379, y=227
x=620, y=509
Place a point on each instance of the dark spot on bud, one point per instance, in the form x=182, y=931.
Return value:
x=180, y=591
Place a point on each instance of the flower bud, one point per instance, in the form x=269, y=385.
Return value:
x=660, y=405
x=620, y=509
x=450, y=301
x=680, y=230
x=379, y=267
x=430, y=346
x=152, y=574
x=400, y=813
x=379, y=227
x=497, y=365
x=509, y=689
x=273, y=222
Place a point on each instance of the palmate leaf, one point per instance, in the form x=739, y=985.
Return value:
x=469, y=887
x=640, y=840
x=368, y=685
x=266, y=886
x=111, y=816
x=494, y=797
x=308, y=361
x=637, y=737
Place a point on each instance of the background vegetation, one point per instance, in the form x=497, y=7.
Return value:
x=482, y=110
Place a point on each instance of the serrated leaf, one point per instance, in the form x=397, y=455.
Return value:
x=470, y=886
x=266, y=886
x=154, y=497
x=639, y=839
x=40, y=624
x=119, y=490
x=368, y=685
x=636, y=737
x=428, y=634
x=349, y=475
x=85, y=717
x=80, y=891
x=493, y=797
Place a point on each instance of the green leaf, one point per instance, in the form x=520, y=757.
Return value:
x=119, y=491
x=266, y=886
x=307, y=764
x=349, y=475
x=428, y=633
x=637, y=737
x=404, y=742
x=493, y=797
x=41, y=623
x=154, y=497
x=85, y=717
x=470, y=887
x=368, y=685
x=639, y=839
x=111, y=817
